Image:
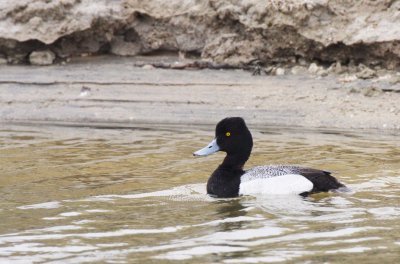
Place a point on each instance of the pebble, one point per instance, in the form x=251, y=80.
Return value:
x=45, y=57
x=292, y=59
x=322, y=72
x=3, y=60
x=348, y=78
x=16, y=58
x=85, y=91
x=298, y=70
x=370, y=91
x=318, y=70
x=279, y=71
x=302, y=62
x=268, y=69
x=148, y=67
x=394, y=80
x=336, y=67
x=313, y=68
x=366, y=73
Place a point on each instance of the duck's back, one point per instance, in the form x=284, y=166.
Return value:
x=270, y=171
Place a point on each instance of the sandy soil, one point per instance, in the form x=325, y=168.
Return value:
x=112, y=91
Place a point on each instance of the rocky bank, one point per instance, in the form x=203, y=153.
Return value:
x=228, y=32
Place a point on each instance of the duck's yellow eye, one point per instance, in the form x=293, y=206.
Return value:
x=228, y=134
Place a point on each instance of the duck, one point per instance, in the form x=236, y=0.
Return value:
x=233, y=137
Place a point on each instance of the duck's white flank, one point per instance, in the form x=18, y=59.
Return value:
x=283, y=184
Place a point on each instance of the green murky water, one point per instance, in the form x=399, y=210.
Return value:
x=75, y=195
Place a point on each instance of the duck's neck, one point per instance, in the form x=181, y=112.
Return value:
x=235, y=161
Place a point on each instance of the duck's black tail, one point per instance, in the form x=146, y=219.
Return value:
x=323, y=181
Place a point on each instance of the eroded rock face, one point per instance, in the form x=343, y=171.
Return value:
x=232, y=32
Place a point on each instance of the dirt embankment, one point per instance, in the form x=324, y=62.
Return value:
x=113, y=92
x=229, y=32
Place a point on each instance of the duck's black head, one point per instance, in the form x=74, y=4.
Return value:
x=233, y=137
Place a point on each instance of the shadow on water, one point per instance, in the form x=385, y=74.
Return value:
x=231, y=208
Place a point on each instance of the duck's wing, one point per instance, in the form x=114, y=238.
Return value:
x=263, y=172
x=274, y=180
x=322, y=181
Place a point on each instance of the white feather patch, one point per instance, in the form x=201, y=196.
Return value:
x=283, y=184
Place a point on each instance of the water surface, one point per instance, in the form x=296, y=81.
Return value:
x=75, y=195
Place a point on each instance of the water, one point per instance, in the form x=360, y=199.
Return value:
x=75, y=195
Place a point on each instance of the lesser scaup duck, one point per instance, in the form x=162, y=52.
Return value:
x=230, y=180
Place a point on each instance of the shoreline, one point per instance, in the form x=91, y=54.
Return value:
x=205, y=127
x=112, y=90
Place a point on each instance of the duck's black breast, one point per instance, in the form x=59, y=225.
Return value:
x=224, y=183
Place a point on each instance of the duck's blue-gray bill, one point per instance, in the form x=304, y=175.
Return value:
x=210, y=149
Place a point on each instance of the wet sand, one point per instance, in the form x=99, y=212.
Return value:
x=113, y=91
